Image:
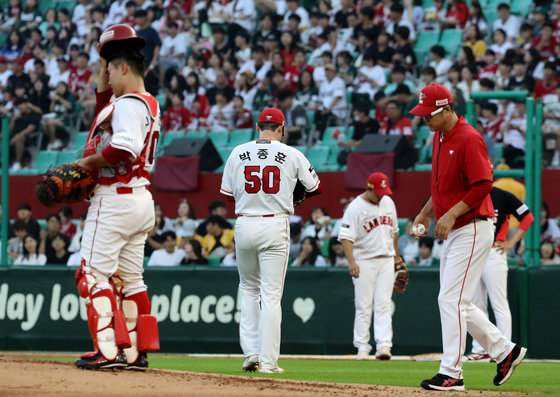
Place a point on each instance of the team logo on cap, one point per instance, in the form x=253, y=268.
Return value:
x=383, y=183
x=107, y=35
x=441, y=102
x=421, y=98
x=268, y=117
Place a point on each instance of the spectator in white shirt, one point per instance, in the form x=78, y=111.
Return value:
x=501, y=45
x=117, y=12
x=169, y=255
x=221, y=116
x=509, y=23
x=259, y=66
x=439, y=63
x=242, y=17
x=62, y=75
x=332, y=96
x=294, y=8
x=370, y=77
x=31, y=255
x=397, y=19
x=173, y=48
x=243, y=50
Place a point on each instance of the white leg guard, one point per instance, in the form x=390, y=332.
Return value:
x=141, y=326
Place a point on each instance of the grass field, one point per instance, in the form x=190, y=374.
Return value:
x=529, y=377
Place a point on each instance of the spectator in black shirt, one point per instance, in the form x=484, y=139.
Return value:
x=59, y=254
x=221, y=84
x=404, y=53
x=221, y=45
x=363, y=124
x=267, y=30
x=39, y=96
x=340, y=18
x=383, y=51
x=366, y=22
x=151, y=50
x=216, y=207
x=193, y=250
x=47, y=237
x=296, y=117
x=24, y=213
x=520, y=80
x=18, y=77
x=25, y=122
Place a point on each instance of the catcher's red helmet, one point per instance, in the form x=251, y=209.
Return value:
x=113, y=37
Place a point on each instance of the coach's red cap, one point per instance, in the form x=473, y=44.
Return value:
x=3, y=60
x=272, y=115
x=431, y=98
x=379, y=182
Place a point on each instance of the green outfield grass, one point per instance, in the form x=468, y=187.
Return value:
x=531, y=377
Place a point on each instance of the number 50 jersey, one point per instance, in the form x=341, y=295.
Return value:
x=261, y=175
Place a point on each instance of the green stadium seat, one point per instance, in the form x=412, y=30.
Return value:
x=402, y=225
x=422, y=167
x=498, y=153
x=224, y=152
x=219, y=138
x=491, y=15
x=421, y=136
x=424, y=40
x=67, y=156
x=215, y=262
x=170, y=136
x=519, y=8
x=80, y=141
x=240, y=136
x=197, y=134
x=328, y=139
x=332, y=159
x=427, y=4
x=46, y=159
x=451, y=40
x=310, y=117
x=318, y=156
x=301, y=148
x=161, y=99
x=325, y=248
x=44, y=5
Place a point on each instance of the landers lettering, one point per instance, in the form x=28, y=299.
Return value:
x=375, y=222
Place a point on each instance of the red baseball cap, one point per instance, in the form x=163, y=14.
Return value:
x=19, y=61
x=431, y=98
x=272, y=115
x=379, y=182
x=3, y=60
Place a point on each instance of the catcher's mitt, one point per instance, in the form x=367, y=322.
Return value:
x=401, y=277
x=68, y=183
x=300, y=194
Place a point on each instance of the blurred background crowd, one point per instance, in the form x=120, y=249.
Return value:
x=338, y=69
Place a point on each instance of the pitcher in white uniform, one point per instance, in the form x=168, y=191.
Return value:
x=369, y=236
x=261, y=175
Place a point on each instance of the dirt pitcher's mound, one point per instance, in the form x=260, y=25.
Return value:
x=25, y=377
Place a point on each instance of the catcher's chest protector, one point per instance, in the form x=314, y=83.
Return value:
x=100, y=135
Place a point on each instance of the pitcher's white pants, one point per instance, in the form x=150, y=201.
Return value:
x=373, y=290
x=262, y=245
x=463, y=257
x=493, y=285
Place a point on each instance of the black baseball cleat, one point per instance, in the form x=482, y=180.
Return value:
x=443, y=382
x=100, y=362
x=507, y=366
x=141, y=363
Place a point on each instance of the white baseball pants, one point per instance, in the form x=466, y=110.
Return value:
x=493, y=285
x=373, y=291
x=262, y=245
x=115, y=233
x=463, y=257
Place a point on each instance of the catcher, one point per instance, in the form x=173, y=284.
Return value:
x=369, y=236
x=114, y=172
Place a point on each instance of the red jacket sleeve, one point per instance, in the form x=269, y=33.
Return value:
x=102, y=99
x=477, y=193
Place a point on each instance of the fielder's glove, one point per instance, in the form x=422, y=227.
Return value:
x=300, y=194
x=68, y=183
x=401, y=277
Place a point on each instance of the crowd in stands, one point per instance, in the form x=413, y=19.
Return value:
x=188, y=240
x=323, y=62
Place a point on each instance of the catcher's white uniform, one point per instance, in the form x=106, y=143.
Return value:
x=371, y=228
x=261, y=176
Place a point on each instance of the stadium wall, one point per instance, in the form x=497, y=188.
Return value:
x=198, y=310
x=409, y=187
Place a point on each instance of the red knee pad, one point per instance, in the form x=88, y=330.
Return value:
x=147, y=331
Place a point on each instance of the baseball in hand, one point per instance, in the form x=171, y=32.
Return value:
x=419, y=230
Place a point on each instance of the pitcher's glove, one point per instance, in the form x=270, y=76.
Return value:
x=68, y=183
x=300, y=194
x=401, y=277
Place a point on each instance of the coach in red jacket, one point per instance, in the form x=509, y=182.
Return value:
x=460, y=201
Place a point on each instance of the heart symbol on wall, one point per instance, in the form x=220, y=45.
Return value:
x=304, y=308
